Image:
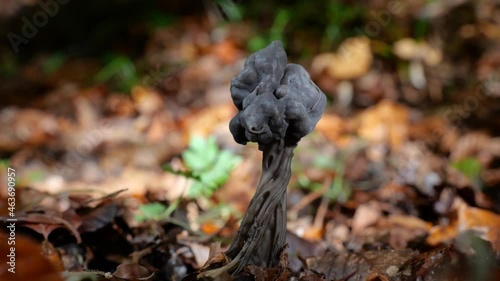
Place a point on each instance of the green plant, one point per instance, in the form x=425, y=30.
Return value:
x=154, y=211
x=52, y=63
x=337, y=16
x=158, y=19
x=4, y=162
x=230, y=9
x=276, y=32
x=121, y=71
x=208, y=166
x=471, y=168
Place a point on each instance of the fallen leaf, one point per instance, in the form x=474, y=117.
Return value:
x=485, y=223
x=147, y=101
x=438, y=264
x=133, y=271
x=313, y=233
x=226, y=51
x=201, y=253
x=352, y=59
x=386, y=122
x=29, y=263
x=366, y=215
x=27, y=127
x=161, y=125
x=363, y=266
x=409, y=49
x=410, y=222
x=205, y=121
x=98, y=217
x=215, y=257
x=331, y=126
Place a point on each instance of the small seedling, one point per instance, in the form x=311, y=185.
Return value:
x=208, y=166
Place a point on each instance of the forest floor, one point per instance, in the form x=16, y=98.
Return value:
x=137, y=177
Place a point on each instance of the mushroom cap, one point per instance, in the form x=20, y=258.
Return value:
x=275, y=100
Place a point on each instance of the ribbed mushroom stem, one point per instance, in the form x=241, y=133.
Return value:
x=262, y=233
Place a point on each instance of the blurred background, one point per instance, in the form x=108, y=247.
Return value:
x=100, y=96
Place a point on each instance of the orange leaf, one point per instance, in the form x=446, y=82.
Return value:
x=313, y=233
x=386, y=122
x=484, y=222
x=28, y=262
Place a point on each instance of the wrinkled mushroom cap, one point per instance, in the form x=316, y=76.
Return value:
x=275, y=100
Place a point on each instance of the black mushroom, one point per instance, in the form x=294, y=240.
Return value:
x=278, y=104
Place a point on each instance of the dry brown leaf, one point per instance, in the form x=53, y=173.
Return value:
x=483, y=222
x=419, y=167
x=226, y=51
x=478, y=145
x=215, y=257
x=331, y=126
x=98, y=217
x=201, y=253
x=27, y=127
x=442, y=233
x=409, y=49
x=161, y=125
x=404, y=229
x=132, y=272
x=352, y=59
x=46, y=223
x=313, y=233
x=363, y=266
x=29, y=263
x=366, y=215
x=147, y=101
x=205, y=121
x=385, y=123
x=120, y=105
x=52, y=255
x=410, y=222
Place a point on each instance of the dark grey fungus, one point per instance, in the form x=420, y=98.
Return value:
x=275, y=100
x=278, y=104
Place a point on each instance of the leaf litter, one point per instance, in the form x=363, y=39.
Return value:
x=398, y=182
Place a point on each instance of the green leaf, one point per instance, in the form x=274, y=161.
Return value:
x=160, y=19
x=187, y=174
x=256, y=43
x=470, y=167
x=121, y=70
x=200, y=189
x=200, y=155
x=232, y=11
x=219, y=173
x=152, y=211
x=280, y=21
x=53, y=63
x=209, y=167
x=4, y=162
